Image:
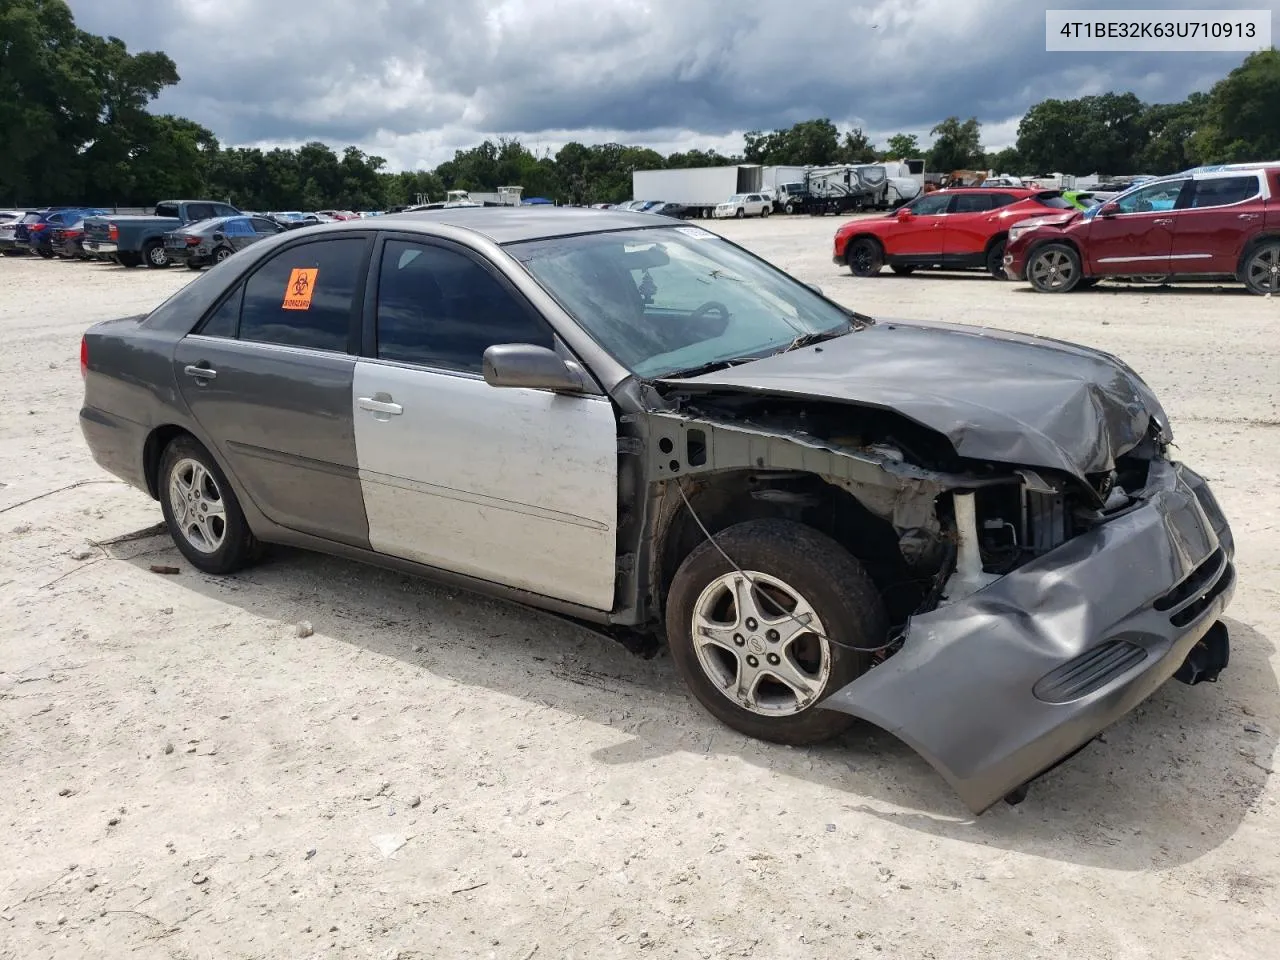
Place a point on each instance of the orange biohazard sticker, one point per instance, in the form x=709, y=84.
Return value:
x=302, y=283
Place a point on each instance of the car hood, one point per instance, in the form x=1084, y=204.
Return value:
x=1056, y=218
x=996, y=395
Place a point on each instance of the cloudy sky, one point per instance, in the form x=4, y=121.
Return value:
x=414, y=80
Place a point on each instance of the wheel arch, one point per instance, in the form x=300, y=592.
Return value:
x=153, y=450
x=1252, y=244
x=1000, y=237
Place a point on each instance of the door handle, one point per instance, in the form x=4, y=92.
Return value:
x=200, y=373
x=1163, y=220
x=1248, y=216
x=376, y=405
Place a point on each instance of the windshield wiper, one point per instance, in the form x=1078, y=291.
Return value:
x=711, y=367
x=809, y=339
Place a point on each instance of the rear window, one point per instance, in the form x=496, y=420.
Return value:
x=167, y=210
x=1224, y=191
x=1053, y=199
x=30, y=218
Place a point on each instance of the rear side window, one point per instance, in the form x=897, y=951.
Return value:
x=222, y=210
x=167, y=210
x=1224, y=191
x=1054, y=200
x=305, y=296
x=440, y=308
x=974, y=202
x=1002, y=199
x=224, y=321
x=264, y=226
x=200, y=211
x=237, y=227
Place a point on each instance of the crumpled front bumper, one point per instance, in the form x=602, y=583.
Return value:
x=994, y=689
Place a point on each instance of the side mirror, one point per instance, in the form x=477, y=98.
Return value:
x=535, y=368
x=1109, y=209
x=905, y=214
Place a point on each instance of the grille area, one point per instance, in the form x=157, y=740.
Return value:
x=1088, y=672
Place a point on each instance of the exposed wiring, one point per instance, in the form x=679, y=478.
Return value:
x=773, y=603
x=50, y=493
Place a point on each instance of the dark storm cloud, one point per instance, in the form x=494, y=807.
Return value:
x=387, y=71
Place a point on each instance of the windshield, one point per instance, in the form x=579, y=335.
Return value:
x=737, y=198
x=675, y=299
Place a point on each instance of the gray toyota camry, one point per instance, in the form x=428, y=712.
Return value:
x=976, y=540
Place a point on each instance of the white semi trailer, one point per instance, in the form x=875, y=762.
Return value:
x=699, y=188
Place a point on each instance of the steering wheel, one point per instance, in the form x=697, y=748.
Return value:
x=711, y=306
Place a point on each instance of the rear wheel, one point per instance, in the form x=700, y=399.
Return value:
x=995, y=261
x=761, y=648
x=764, y=212
x=1054, y=268
x=865, y=257
x=903, y=270
x=201, y=511
x=155, y=255
x=221, y=254
x=1262, y=269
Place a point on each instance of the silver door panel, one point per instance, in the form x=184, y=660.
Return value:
x=514, y=486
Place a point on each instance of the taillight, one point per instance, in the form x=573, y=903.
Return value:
x=113, y=232
x=193, y=241
x=71, y=233
x=36, y=227
x=84, y=356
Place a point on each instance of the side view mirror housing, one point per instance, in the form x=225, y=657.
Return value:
x=905, y=214
x=1109, y=209
x=531, y=367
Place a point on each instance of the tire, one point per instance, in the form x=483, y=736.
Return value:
x=764, y=212
x=740, y=214
x=865, y=257
x=221, y=254
x=789, y=208
x=903, y=270
x=1261, y=273
x=995, y=260
x=1054, y=268
x=189, y=475
x=837, y=591
x=155, y=256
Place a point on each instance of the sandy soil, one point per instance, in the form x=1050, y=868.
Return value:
x=434, y=775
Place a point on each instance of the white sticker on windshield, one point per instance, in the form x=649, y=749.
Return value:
x=696, y=232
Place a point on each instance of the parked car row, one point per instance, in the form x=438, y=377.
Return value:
x=1210, y=222
x=38, y=231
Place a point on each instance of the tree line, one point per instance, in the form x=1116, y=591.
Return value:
x=75, y=128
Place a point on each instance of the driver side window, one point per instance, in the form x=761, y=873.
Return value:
x=1152, y=199
x=934, y=203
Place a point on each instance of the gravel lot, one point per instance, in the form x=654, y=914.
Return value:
x=434, y=775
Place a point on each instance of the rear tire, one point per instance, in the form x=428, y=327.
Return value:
x=155, y=255
x=1261, y=273
x=865, y=257
x=995, y=261
x=764, y=212
x=201, y=510
x=1054, y=268
x=793, y=674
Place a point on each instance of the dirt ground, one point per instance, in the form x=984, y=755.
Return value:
x=434, y=775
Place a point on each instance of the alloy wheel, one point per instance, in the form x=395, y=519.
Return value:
x=198, y=508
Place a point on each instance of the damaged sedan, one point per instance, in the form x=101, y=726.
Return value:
x=975, y=540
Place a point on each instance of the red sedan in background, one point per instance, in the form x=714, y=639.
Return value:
x=958, y=229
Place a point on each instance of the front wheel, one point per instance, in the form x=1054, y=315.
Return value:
x=201, y=510
x=995, y=261
x=1054, y=268
x=761, y=648
x=740, y=214
x=789, y=208
x=1262, y=269
x=865, y=257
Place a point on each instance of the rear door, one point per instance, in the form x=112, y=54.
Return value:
x=921, y=233
x=1221, y=214
x=514, y=486
x=1138, y=237
x=970, y=224
x=239, y=232
x=267, y=376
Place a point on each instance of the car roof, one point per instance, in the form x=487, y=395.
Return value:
x=1023, y=191
x=515, y=224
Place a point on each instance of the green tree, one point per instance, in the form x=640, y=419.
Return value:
x=856, y=147
x=807, y=142
x=957, y=145
x=1007, y=160
x=903, y=146
x=1242, y=113
x=1173, y=131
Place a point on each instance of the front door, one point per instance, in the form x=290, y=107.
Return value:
x=921, y=232
x=1138, y=238
x=267, y=377
x=514, y=486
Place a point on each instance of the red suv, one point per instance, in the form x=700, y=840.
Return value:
x=956, y=229
x=1213, y=221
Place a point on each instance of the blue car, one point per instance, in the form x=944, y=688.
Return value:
x=39, y=231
